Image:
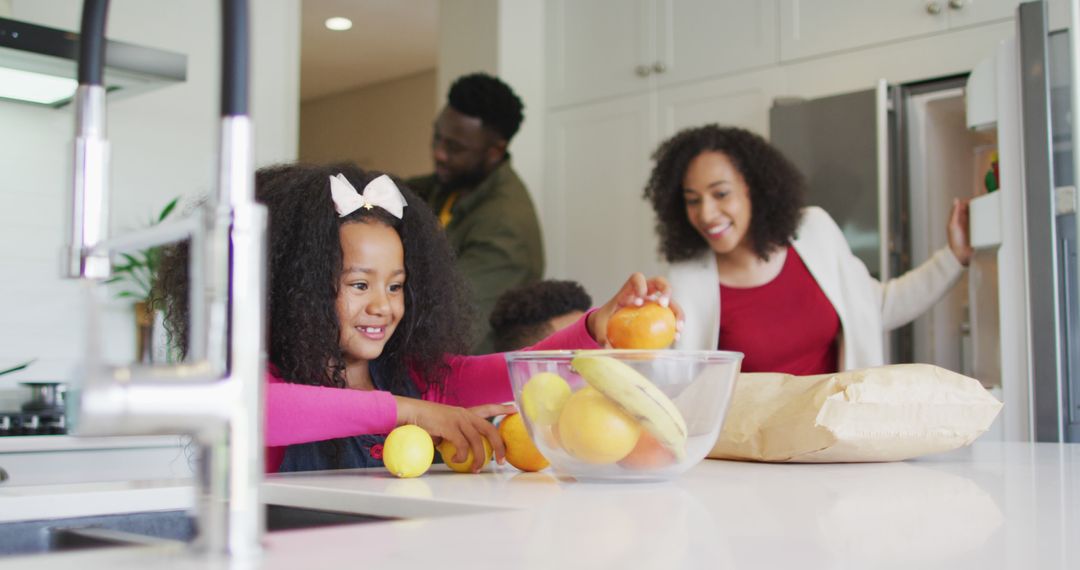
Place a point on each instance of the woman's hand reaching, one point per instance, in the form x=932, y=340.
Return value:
x=959, y=232
x=466, y=428
x=635, y=292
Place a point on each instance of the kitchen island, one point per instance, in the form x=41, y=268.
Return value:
x=993, y=505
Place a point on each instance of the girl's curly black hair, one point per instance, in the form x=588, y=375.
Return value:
x=304, y=269
x=776, y=189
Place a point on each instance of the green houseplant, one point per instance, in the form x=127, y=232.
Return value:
x=135, y=278
x=17, y=367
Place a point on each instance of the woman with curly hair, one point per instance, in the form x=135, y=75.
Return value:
x=761, y=274
x=367, y=314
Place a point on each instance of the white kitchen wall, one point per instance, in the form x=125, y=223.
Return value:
x=164, y=144
x=521, y=64
x=356, y=125
x=468, y=41
x=503, y=38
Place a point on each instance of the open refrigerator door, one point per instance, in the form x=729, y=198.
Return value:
x=895, y=158
x=1023, y=279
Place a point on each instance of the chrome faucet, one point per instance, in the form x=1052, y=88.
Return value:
x=216, y=395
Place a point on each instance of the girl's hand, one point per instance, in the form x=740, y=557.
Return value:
x=959, y=232
x=634, y=292
x=465, y=428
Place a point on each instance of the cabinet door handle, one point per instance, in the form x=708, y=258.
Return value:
x=642, y=70
x=659, y=67
x=933, y=8
x=956, y=4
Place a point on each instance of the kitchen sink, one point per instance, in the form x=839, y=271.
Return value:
x=146, y=528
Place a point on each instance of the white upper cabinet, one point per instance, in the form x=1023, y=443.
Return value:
x=970, y=12
x=597, y=227
x=597, y=48
x=814, y=27
x=697, y=39
x=607, y=48
x=743, y=101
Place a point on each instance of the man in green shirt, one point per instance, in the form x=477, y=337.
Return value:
x=485, y=208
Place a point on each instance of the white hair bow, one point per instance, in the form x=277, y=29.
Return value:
x=381, y=192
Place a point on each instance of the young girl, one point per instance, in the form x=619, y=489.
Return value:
x=367, y=314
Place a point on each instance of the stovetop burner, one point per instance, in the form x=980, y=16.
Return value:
x=42, y=414
x=24, y=423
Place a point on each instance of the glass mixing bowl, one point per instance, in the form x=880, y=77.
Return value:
x=623, y=414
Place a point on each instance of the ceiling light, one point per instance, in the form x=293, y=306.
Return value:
x=338, y=24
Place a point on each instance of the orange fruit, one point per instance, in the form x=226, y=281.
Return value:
x=521, y=452
x=648, y=454
x=593, y=429
x=447, y=451
x=647, y=327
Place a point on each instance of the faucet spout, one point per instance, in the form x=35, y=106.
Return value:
x=218, y=395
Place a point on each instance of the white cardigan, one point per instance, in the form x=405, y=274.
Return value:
x=866, y=307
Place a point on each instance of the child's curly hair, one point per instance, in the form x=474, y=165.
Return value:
x=776, y=189
x=520, y=317
x=304, y=269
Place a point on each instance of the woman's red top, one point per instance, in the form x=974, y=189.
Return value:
x=786, y=325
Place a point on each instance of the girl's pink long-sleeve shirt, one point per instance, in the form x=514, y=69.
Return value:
x=300, y=413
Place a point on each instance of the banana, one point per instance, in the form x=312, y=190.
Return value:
x=637, y=397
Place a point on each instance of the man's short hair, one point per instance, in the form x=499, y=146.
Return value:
x=488, y=99
x=521, y=315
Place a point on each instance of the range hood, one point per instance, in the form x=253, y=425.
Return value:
x=37, y=65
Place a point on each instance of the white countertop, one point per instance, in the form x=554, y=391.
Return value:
x=38, y=502
x=47, y=443
x=990, y=506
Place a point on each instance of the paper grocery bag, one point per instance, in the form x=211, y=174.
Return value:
x=888, y=413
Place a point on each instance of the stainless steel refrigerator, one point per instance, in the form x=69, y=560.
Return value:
x=887, y=163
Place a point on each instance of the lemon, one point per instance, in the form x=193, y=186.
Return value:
x=408, y=451
x=447, y=450
x=595, y=430
x=543, y=397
